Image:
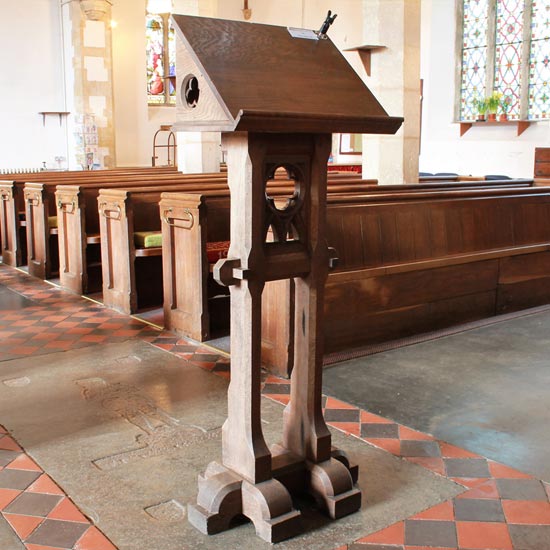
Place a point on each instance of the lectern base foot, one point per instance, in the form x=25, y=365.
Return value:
x=332, y=485
x=331, y=482
x=223, y=496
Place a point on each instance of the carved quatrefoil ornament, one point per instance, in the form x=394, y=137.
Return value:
x=284, y=211
x=190, y=91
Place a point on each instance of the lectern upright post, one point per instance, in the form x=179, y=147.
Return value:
x=272, y=240
x=229, y=88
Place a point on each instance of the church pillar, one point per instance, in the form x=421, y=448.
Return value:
x=198, y=152
x=395, y=80
x=89, y=83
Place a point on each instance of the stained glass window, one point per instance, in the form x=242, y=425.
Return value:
x=508, y=52
x=539, y=61
x=474, y=56
x=495, y=30
x=161, y=60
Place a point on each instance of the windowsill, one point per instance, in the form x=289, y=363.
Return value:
x=522, y=125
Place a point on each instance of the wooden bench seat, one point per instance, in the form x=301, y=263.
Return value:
x=13, y=207
x=40, y=204
x=418, y=262
x=187, y=272
x=77, y=209
x=126, y=211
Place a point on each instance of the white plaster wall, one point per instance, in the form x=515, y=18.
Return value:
x=135, y=122
x=134, y=125
x=31, y=80
x=482, y=150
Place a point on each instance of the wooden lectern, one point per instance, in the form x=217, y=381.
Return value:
x=276, y=94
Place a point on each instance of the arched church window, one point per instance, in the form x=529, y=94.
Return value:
x=505, y=48
x=161, y=59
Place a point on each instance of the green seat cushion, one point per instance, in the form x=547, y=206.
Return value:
x=52, y=221
x=147, y=239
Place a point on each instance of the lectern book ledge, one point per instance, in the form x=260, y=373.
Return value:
x=276, y=98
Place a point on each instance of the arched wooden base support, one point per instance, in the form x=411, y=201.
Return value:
x=331, y=484
x=223, y=495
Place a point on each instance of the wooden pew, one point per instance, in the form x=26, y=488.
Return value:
x=125, y=212
x=41, y=211
x=79, y=236
x=78, y=223
x=188, y=229
x=40, y=206
x=420, y=262
x=12, y=212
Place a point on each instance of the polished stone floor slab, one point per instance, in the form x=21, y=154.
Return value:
x=11, y=300
x=126, y=428
x=486, y=390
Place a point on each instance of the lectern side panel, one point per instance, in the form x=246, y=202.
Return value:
x=195, y=99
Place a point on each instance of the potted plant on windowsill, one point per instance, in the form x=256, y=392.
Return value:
x=505, y=104
x=480, y=104
x=493, y=103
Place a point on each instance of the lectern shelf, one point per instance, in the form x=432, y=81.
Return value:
x=277, y=96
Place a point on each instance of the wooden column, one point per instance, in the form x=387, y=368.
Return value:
x=305, y=431
x=244, y=448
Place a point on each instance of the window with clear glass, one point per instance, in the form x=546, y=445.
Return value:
x=161, y=60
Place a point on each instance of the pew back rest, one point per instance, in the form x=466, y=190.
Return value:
x=407, y=228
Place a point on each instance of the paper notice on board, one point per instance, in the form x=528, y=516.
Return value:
x=302, y=33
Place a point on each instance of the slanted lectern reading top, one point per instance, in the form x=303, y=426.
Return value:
x=276, y=94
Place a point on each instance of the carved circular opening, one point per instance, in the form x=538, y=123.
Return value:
x=190, y=91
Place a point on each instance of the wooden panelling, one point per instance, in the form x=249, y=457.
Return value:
x=542, y=162
x=397, y=323
x=411, y=262
x=523, y=294
x=405, y=289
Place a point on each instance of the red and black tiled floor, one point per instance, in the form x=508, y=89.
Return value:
x=39, y=512
x=500, y=508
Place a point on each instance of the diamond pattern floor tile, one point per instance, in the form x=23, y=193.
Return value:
x=500, y=508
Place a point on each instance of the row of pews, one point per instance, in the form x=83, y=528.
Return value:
x=411, y=258
x=101, y=231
